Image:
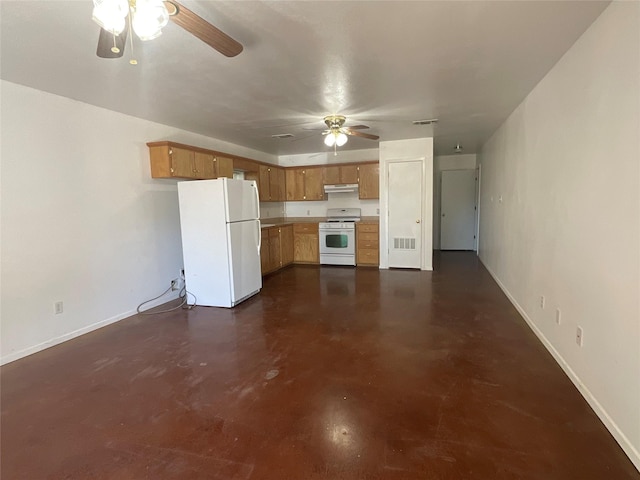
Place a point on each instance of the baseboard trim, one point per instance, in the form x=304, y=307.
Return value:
x=599, y=410
x=13, y=356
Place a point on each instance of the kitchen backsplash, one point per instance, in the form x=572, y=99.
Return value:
x=272, y=209
x=370, y=208
x=335, y=200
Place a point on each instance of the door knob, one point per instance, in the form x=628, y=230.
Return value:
x=417, y=221
x=443, y=214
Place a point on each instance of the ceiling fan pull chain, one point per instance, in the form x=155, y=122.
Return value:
x=115, y=48
x=132, y=60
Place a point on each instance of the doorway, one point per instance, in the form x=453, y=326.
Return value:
x=458, y=210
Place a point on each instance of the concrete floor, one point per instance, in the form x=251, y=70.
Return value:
x=330, y=373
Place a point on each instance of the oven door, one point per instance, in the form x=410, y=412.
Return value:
x=337, y=246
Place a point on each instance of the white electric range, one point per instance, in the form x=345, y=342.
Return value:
x=338, y=236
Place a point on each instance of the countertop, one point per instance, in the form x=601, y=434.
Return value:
x=279, y=221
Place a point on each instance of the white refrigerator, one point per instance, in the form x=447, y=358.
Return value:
x=220, y=226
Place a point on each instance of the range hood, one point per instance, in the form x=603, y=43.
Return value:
x=341, y=188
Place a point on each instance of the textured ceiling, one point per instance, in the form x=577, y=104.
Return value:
x=381, y=63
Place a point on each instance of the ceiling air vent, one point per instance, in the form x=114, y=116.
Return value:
x=425, y=122
x=282, y=135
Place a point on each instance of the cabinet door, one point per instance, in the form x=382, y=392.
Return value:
x=275, y=261
x=204, y=165
x=224, y=167
x=330, y=175
x=182, y=162
x=276, y=184
x=305, y=243
x=282, y=185
x=349, y=174
x=286, y=244
x=264, y=251
x=313, y=187
x=295, y=184
x=369, y=180
x=264, y=183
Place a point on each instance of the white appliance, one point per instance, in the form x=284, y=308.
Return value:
x=219, y=221
x=338, y=236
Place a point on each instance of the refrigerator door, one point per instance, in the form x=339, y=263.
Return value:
x=244, y=259
x=242, y=200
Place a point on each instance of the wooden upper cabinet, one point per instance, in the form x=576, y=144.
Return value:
x=264, y=184
x=331, y=175
x=337, y=174
x=181, y=162
x=304, y=184
x=313, y=187
x=295, y=184
x=271, y=184
x=224, y=166
x=169, y=160
x=277, y=182
x=205, y=166
x=369, y=180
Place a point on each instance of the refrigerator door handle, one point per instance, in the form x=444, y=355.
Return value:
x=259, y=235
x=257, y=200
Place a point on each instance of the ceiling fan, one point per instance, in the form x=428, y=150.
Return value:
x=336, y=133
x=146, y=18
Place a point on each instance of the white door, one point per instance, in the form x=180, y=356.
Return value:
x=458, y=210
x=242, y=200
x=244, y=259
x=405, y=214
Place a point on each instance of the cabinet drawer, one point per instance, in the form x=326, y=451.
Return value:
x=305, y=228
x=368, y=237
x=367, y=227
x=368, y=256
x=362, y=243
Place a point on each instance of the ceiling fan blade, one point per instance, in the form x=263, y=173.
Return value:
x=358, y=127
x=106, y=43
x=360, y=134
x=202, y=29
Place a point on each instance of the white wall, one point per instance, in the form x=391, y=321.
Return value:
x=82, y=220
x=446, y=162
x=566, y=164
x=412, y=149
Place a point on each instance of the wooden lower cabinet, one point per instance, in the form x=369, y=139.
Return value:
x=286, y=245
x=276, y=250
x=306, y=248
x=367, y=244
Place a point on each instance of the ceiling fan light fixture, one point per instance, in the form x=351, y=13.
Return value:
x=341, y=139
x=110, y=14
x=149, y=17
x=330, y=139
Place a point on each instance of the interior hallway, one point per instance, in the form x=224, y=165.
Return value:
x=330, y=373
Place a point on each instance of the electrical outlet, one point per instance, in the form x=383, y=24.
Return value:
x=175, y=284
x=558, y=316
x=378, y=211
x=308, y=212
x=58, y=308
x=541, y=301
x=579, y=336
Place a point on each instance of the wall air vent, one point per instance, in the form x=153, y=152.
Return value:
x=282, y=135
x=404, y=243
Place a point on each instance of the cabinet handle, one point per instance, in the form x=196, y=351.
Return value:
x=304, y=197
x=171, y=169
x=170, y=152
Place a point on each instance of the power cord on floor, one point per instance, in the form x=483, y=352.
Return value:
x=183, y=295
